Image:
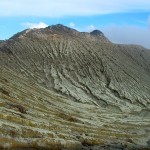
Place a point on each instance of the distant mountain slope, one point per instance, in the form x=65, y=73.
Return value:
x=62, y=71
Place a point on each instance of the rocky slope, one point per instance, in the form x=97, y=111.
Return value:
x=60, y=88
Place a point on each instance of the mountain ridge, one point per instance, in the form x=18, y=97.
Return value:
x=63, y=30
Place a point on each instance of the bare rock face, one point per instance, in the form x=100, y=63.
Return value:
x=66, y=89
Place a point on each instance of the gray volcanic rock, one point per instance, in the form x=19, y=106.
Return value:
x=77, y=89
x=97, y=33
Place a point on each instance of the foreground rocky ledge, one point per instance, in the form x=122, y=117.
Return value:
x=33, y=117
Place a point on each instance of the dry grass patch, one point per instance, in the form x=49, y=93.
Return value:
x=67, y=117
x=91, y=141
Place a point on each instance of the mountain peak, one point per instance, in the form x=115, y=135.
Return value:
x=61, y=28
x=97, y=33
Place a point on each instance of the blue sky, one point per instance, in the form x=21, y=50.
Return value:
x=122, y=21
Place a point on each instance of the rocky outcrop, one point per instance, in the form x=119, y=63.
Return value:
x=73, y=89
x=1, y=42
